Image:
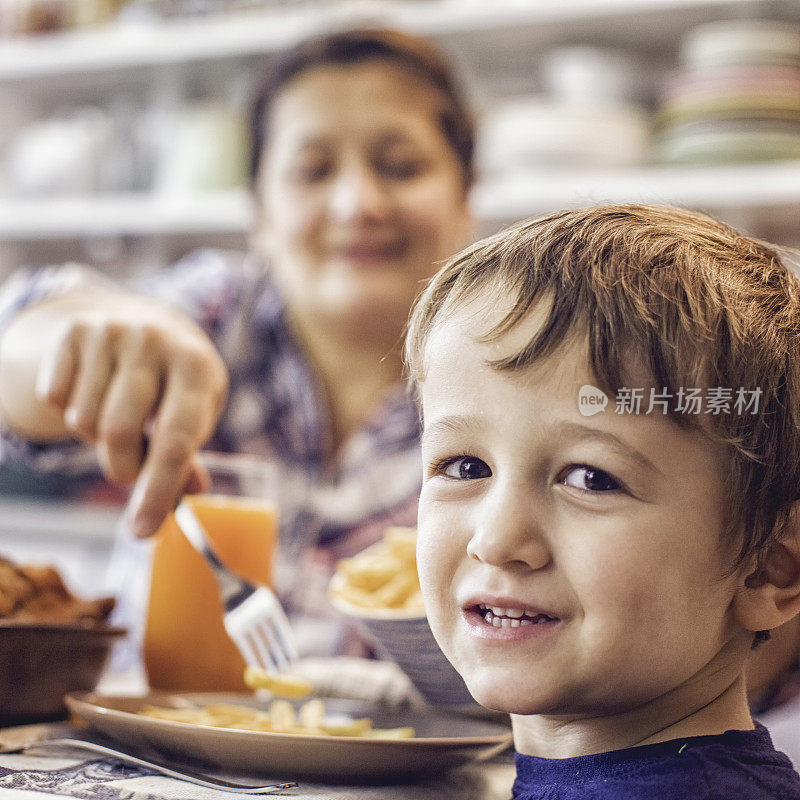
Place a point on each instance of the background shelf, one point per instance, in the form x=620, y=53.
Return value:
x=499, y=46
x=487, y=35
x=773, y=188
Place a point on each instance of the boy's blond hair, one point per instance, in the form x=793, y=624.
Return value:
x=690, y=299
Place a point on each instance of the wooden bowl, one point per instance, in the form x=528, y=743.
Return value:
x=41, y=662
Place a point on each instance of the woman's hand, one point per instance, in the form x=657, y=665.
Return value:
x=133, y=377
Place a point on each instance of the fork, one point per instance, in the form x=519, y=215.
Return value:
x=254, y=618
x=181, y=773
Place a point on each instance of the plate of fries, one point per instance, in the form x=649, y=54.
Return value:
x=378, y=589
x=335, y=741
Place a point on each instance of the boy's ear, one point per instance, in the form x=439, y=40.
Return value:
x=769, y=593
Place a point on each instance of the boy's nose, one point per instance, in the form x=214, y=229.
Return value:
x=357, y=195
x=508, y=528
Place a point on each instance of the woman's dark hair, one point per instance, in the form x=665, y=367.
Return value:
x=412, y=53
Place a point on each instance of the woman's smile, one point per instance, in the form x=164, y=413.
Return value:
x=370, y=252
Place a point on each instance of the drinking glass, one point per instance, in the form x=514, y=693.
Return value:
x=185, y=645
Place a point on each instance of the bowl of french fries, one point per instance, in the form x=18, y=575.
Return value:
x=379, y=590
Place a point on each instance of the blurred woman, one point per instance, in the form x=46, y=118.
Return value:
x=362, y=162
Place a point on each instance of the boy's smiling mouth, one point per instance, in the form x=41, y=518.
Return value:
x=506, y=618
x=500, y=617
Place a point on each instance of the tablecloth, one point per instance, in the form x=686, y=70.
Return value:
x=74, y=773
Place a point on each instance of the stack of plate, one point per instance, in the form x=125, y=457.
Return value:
x=736, y=97
x=589, y=113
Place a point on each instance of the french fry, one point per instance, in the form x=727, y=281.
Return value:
x=353, y=727
x=395, y=592
x=356, y=597
x=402, y=543
x=382, y=576
x=368, y=575
x=414, y=600
x=312, y=714
x=227, y=715
x=390, y=733
x=281, y=717
x=281, y=685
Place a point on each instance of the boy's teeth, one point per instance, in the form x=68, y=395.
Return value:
x=499, y=611
x=499, y=617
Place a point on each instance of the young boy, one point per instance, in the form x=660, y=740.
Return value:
x=609, y=519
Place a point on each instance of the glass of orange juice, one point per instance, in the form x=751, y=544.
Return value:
x=185, y=645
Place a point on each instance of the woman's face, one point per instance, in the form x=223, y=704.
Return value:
x=360, y=194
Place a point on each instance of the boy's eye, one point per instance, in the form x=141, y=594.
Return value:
x=466, y=468
x=589, y=479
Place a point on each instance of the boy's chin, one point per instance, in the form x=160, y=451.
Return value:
x=502, y=697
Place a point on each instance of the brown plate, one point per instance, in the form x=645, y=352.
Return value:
x=442, y=741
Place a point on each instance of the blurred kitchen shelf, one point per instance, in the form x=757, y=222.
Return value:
x=491, y=40
x=125, y=215
x=771, y=186
x=484, y=34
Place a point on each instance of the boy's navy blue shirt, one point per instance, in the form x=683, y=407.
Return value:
x=736, y=765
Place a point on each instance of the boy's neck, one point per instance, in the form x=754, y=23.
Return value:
x=656, y=721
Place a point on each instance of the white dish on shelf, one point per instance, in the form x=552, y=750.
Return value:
x=528, y=131
x=741, y=41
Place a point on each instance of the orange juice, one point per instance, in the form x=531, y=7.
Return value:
x=185, y=643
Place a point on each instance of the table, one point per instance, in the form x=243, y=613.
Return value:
x=75, y=773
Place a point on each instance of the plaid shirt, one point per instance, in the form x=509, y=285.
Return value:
x=276, y=409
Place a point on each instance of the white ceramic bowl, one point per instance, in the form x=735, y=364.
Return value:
x=405, y=637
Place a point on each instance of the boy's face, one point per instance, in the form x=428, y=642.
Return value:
x=604, y=530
